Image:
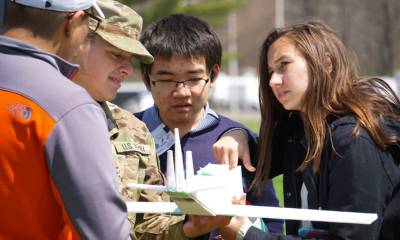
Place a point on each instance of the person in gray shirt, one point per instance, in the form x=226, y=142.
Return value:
x=57, y=176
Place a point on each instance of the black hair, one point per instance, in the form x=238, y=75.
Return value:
x=183, y=36
x=42, y=23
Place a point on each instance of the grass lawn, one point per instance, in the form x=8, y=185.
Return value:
x=254, y=125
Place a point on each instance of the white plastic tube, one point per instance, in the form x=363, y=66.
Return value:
x=189, y=170
x=179, y=174
x=170, y=171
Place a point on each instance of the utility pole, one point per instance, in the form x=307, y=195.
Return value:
x=279, y=13
x=233, y=64
x=232, y=43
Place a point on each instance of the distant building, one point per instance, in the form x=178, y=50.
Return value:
x=133, y=97
x=235, y=92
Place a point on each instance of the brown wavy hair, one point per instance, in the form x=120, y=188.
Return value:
x=334, y=89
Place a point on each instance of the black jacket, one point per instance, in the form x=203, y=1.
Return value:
x=365, y=179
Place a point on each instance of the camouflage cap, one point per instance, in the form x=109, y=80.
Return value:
x=121, y=28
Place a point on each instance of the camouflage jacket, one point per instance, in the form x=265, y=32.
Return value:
x=136, y=161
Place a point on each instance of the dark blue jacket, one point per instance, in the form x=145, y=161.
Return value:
x=201, y=142
x=366, y=178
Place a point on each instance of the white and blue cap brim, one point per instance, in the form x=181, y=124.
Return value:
x=62, y=5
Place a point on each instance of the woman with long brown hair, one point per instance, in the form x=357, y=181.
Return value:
x=334, y=136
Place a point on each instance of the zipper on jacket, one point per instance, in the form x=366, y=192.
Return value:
x=293, y=163
x=308, y=170
x=312, y=180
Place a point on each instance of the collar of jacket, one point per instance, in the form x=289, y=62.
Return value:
x=334, y=122
x=111, y=123
x=392, y=127
x=65, y=68
x=153, y=120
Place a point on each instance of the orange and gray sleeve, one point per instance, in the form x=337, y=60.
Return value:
x=84, y=174
x=57, y=178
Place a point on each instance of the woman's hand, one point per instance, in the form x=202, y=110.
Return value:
x=231, y=147
x=230, y=231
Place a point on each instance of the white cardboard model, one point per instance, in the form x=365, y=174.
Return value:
x=211, y=194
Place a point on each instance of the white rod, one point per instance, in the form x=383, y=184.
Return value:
x=189, y=170
x=266, y=212
x=170, y=171
x=179, y=175
x=303, y=214
x=153, y=207
x=147, y=187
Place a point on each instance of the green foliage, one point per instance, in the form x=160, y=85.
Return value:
x=130, y=2
x=214, y=12
x=226, y=56
x=278, y=185
x=159, y=9
x=252, y=124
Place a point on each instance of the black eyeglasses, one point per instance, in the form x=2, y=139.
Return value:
x=94, y=22
x=195, y=84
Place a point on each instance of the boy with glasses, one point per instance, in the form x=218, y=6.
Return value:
x=57, y=177
x=187, y=59
x=106, y=59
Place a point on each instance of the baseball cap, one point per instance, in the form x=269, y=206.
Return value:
x=62, y=5
x=121, y=27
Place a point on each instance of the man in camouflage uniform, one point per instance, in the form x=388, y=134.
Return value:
x=105, y=59
x=136, y=161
